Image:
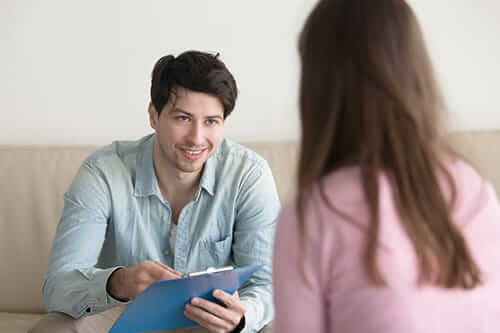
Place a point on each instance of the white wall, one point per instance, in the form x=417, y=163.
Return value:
x=464, y=41
x=78, y=71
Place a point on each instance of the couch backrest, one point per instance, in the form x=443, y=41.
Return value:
x=32, y=183
x=33, y=180
x=482, y=150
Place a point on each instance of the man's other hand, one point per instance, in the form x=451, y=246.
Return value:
x=214, y=317
x=126, y=283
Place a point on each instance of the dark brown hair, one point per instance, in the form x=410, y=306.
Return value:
x=196, y=71
x=368, y=97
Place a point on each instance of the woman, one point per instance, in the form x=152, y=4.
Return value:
x=391, y=231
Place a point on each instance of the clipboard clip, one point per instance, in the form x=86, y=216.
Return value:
x=209, y=270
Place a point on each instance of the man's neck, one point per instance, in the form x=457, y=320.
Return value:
x=174, y=184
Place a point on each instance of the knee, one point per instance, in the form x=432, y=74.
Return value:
x=267, y=329
x=54, y=323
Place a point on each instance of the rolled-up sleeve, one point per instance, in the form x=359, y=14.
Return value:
x=72, y=284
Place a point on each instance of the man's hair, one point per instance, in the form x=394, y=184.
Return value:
x=196, y=71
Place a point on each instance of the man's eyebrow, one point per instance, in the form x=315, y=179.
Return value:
x=178, y=110
x=215, y=117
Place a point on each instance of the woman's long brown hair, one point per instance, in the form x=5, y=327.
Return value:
x=368, y=97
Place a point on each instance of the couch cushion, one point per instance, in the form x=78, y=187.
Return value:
x=17, y=322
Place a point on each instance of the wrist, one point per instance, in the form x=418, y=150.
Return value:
x=240, y=326
x=115, y=285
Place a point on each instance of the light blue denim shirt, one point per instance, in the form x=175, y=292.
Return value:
x=114, y=215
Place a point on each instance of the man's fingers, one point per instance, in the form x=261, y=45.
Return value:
x=211, y=307
x=231, y=301
x=206, y=319
x=168, y=268
x=160, y=272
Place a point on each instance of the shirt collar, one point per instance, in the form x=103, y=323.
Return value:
x=146, y=183
x=207, y=181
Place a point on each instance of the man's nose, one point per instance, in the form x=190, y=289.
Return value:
x=195, y=134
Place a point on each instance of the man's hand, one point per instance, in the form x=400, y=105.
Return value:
x=214, y=317
x=126, y=283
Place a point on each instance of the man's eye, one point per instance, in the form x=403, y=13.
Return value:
x=183, y=118
x=212, y=122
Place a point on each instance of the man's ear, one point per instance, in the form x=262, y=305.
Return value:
x=153, y=116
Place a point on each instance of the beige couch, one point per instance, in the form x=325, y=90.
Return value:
x=33, y=180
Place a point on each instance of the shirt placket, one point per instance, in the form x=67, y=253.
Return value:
x=164, y=218
x=182, y=241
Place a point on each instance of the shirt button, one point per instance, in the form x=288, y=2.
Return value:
x=165, y=218
x=166, y=252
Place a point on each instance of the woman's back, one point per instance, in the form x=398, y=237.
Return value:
x=376, y=247
x=339, y=296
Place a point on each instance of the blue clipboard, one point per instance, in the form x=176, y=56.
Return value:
x=161, y=305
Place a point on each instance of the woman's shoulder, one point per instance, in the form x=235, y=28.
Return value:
x=338, y=191
x=473, y=193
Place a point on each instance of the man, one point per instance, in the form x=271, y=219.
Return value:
x=177, y=201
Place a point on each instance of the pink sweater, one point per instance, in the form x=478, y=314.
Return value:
x=342, y=299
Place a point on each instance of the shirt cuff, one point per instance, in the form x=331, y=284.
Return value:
x=110, y=299
x=99, y=300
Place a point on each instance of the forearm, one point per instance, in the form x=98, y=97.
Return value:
x=78, y=292
x=258, y=209
x=257, y=297
x=259, y=304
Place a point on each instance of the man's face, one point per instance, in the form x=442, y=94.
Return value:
x=188, y=130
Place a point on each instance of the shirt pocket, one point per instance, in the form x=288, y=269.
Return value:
x=215, y=254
